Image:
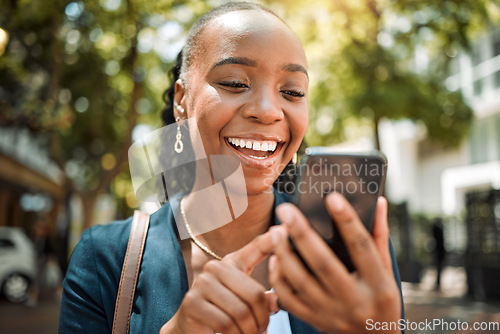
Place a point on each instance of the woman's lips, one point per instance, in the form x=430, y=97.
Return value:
x=255, y=153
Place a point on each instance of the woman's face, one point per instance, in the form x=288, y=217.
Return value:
x=247, y=89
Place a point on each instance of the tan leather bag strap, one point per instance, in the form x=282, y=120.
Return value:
x=130, y=271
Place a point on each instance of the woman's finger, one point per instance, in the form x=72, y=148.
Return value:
x=272, y=302
x=325, y=265
x=302, y=282
x=204, y=312
x=291, y=301
x=244, y=288
x=357, y=239
x=380, y=233
x=257, y=250
x=234, y=270
x=219, y=295
x=287, y=298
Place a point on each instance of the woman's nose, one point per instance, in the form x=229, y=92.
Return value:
x=264, y=107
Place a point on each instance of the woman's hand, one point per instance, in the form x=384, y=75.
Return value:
x=332, y=299
x=224, y=298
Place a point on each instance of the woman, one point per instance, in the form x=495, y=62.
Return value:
x=243, y=78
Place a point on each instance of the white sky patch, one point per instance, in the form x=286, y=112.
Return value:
x=385, y=39
x=403, y=24
x=168, y=51
x=146, y=40
x=111, y=5
x=140, y=131
x=170, y=30
x=73, y=10
x=324, y=123
x=166, y=41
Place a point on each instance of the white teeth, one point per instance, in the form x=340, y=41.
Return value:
x=263, y=146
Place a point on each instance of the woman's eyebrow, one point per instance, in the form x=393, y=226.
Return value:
x=295, y=68
x=235, y=60
x=252, y=63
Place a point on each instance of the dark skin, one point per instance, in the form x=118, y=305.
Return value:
x=261, y=92
x=235, y=99
x=333, y=299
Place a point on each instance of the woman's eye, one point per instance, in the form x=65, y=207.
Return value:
x=234, y=84
x=294, y=93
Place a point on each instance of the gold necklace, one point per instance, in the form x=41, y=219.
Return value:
x=191, y=235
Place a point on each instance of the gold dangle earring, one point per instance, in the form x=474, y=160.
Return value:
x=179, y=145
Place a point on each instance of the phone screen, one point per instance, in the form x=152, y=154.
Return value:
x=358, y=176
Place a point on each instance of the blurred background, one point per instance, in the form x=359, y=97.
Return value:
x=417, y=79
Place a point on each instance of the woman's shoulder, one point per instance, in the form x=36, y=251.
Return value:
x=91, y=282
x=111, y=240
x=114, y=233
x=100, y=250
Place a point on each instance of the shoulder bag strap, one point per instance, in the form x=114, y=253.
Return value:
x=130, y=271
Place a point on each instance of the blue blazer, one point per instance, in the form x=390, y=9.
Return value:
x=91, y=282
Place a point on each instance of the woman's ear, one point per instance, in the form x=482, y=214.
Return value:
x=179, y=100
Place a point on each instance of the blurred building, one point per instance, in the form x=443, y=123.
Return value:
x=435, y=181
x=30, y=182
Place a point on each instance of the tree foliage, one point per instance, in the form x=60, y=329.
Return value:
x=364, y=59
x=87, y=72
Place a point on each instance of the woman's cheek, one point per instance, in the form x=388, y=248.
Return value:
x=299, y=126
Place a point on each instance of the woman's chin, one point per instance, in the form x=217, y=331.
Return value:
x=260, y=181
x=255, y=188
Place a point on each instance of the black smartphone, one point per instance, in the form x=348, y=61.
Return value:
x=359, y=176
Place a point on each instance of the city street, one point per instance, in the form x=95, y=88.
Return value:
x=21, y=319
x=422, y=305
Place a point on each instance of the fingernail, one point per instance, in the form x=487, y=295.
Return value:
x=276, y=235
x=336, y=202
x=272, y=299
x=284, y=214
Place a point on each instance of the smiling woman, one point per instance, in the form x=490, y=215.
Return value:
x=242, y=77
x=251, y=85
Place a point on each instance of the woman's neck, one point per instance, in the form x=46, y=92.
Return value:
x=255, y=220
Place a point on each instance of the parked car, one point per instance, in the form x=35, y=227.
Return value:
x=17, y=264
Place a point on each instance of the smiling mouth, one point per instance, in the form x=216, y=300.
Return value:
x=256, y=149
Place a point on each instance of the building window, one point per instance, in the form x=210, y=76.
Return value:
x=481, y=139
